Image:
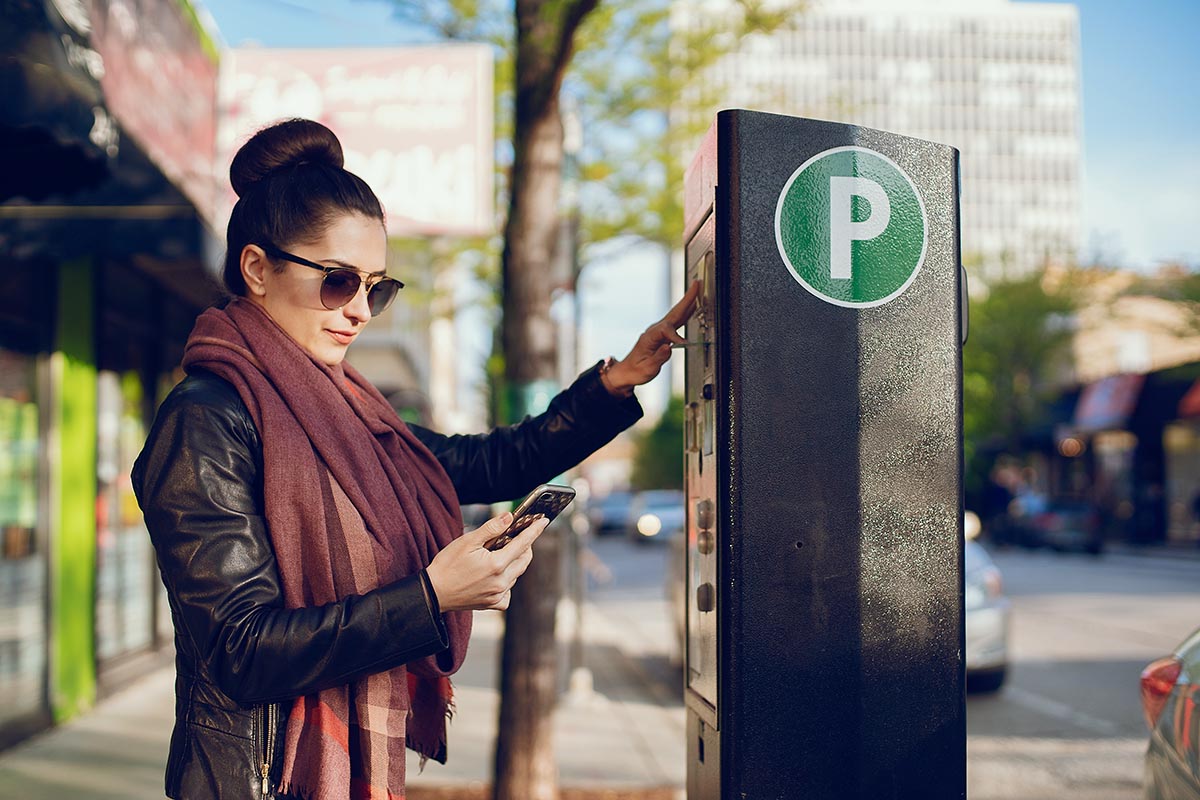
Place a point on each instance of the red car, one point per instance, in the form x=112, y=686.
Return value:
x=1170, y=694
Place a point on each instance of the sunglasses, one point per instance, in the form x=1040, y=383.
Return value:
x=341, y=284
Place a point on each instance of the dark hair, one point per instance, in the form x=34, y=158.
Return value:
x=291, y=187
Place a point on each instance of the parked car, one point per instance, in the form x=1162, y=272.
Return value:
x=1170, y=690
x=1062, y=525
x=609, y=514
x=988, y=613
x=658, y=515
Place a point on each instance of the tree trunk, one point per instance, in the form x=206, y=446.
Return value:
x=525, y=768
x=528, y=336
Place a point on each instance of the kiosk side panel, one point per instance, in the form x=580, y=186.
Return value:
x=840, y=672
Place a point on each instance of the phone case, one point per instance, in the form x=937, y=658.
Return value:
x=547, y=502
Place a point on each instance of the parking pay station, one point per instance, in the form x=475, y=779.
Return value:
x=824, y=654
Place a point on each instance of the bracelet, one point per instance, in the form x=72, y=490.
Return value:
x=605, y=366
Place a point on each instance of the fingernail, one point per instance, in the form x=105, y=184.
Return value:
x=506, y=518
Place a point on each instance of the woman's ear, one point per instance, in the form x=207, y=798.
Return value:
x=254, y=265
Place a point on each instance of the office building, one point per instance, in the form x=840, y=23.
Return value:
x=998, y=80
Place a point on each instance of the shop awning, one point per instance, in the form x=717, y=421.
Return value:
x=1107, y=404
x=52, y=105
x=83, y=81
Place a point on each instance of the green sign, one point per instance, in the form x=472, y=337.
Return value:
x=851, y=227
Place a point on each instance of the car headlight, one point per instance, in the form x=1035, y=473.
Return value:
x=649, y=525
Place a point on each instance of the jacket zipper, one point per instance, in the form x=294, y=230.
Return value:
x=269, y=718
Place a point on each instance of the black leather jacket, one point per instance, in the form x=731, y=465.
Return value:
x=240, y=655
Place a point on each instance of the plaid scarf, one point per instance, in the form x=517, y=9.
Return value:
x=353, y=501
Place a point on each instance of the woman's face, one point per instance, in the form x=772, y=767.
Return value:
x=292, y=297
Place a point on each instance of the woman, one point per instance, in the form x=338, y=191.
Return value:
x=311, y=543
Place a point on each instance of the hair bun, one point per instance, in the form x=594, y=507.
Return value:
x=285, y=144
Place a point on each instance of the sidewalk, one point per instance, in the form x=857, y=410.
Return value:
x=623, y=741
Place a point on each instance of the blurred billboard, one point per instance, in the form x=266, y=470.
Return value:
x=416, y=123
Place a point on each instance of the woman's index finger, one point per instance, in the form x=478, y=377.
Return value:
x=682, y=311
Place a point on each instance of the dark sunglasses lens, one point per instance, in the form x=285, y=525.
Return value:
x=381, y=295
x=339, y=288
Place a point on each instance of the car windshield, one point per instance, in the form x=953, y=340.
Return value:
x=614, y=500
x=661, y=503
x=661, y=499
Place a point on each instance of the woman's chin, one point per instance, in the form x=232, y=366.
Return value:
x=329, y=355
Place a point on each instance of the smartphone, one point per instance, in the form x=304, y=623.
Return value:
x=547, y=500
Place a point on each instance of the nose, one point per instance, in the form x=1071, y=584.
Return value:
x=358, y=310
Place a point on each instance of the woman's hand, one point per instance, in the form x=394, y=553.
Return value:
x=653, y=347
x=466, y=576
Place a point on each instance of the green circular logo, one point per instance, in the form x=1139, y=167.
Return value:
x=850, y=225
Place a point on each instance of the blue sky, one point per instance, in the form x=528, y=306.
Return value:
x=1141, y=129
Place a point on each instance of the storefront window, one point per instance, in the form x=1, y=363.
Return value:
x=1114, y=480
x=126, y=580
x=1182, y=444
x=22, y=555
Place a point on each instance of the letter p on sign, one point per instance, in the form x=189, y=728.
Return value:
x=842, y=227
x=856, y=263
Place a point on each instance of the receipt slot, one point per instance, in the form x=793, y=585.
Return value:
x=823, y=440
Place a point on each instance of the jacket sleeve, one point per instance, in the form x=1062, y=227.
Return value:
x=510, y=461
x=198, y=483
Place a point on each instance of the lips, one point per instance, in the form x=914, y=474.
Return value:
x=342, y=337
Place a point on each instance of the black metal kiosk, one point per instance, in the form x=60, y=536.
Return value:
x=823, y=459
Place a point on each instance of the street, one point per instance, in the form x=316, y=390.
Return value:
x=1068, y=723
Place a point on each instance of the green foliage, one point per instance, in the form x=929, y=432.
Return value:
x=1178, y=285
x=1019, y=331
x=188, y=9
x=658, y=457
x=459, y=20
x=638, y=82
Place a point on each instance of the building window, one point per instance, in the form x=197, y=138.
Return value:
x=127, y=582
